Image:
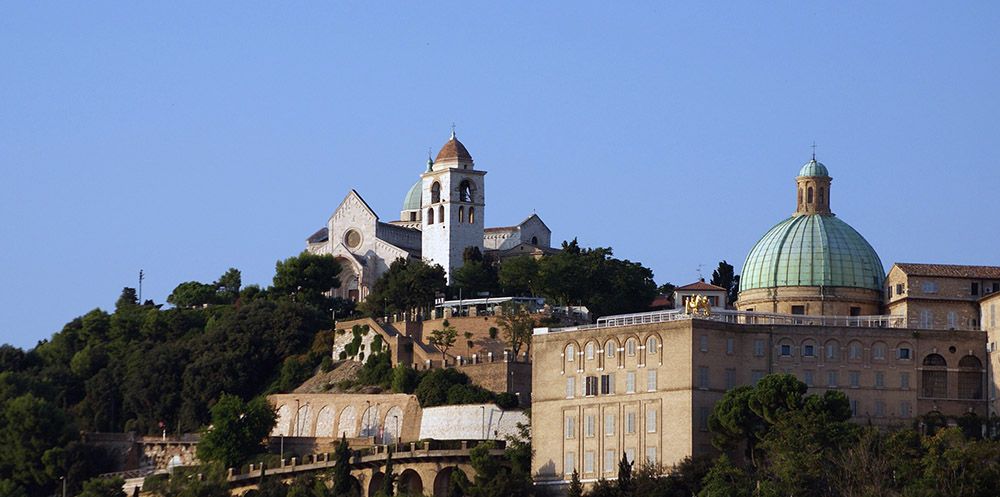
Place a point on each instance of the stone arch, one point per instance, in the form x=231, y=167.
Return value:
x=534, y=240
x=393, y=424
x=879, y=351
x=375, y=484
x=324, y=422
x=348, y=423
x=653, y=344
x=435, y=192
x=631, y=346
x=466, y=191
x=590, y=352
x=369, y=421
x=808, y=348
x=934, y=377
x=442, y=481
x=283, y=425
x=786, y=344
x=611, y=352
x=303, y=426
x=831, y=350
x=970, y=378
x=855, y=351
x=569, y=355
x=350, y=280
x=410, y=483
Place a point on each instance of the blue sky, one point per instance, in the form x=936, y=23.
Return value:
x=189, y=137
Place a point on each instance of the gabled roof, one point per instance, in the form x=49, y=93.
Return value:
x=950, y=270
x=322, y=235
x=354, y=193
x=700, y=286
x=518, y=225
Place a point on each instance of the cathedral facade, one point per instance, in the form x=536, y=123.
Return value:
x=442, y=215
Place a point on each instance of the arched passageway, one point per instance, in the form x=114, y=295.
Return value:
x=409, y=483
x=442, y=482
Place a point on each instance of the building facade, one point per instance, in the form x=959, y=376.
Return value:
x=939, y=296
x=443, y=214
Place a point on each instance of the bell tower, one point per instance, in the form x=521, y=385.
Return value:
x=813, y=189
x=453, y=202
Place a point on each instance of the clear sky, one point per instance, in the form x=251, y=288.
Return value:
x=184, y=138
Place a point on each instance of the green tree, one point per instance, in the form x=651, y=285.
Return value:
x=238, y=430
x=443, y=338
x=517, y=325
x=227, y=287
x=725, y=276
x=726, y=480
x=575, y=487
x=404, y=379
x=192, y=294
x=476, y=275
x=10, y=488
x=342, y=481
x=625, y=484
x=31, y=429
x=389, y=482
x=407, y=285
x=307, y=278
x=518, y=276
x=103, y=487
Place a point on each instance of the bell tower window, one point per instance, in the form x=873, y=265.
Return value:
x=430, y=216
x=435, y=192
x=472, y=215
x=465, y=191
x=461, y=214
x=809, y=195
x=441, y=213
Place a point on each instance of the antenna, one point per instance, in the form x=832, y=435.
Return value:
x=814, y=149
x=453, y=129
x=700, y=277
x=142, y=276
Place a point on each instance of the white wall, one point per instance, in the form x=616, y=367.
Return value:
x=468, y=422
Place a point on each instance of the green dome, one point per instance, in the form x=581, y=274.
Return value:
x=412, y=200
x=813, y=168
x=812, y=250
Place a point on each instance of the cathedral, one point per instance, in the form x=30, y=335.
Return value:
x=442, y=214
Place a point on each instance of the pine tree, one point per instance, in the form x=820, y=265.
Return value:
x=342, y=468
x=575, y=487
x=625, y=477
x=390, y=478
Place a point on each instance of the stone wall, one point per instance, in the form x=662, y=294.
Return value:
x=499, y=376
x=470, y=422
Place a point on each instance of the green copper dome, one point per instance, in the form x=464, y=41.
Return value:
x=412, y=200
x=813, y=168
x=812, y=250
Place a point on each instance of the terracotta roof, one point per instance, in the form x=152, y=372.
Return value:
x=501, y=228
x=700, y=286
x=950, y=270
x=453, y=150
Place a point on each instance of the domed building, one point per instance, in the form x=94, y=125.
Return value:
x=812, y=263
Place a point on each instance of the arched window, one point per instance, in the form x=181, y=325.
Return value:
x=800, y=197
x=465, y=191
x=855, y=351
x=822, y=195
x=461, y=214
x=534, y=240
x=435, y=192
x=430, y=216
x=609, y=349
x=630, y=347
x=441, y=213
x=934, y=377
x=809, y=195
x=970, y=378
x=652, y=344
x=589, y=351
x=832, y=350
x=472, y=215
x=570, y=353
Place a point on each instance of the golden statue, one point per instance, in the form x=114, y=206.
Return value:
x=698, y=305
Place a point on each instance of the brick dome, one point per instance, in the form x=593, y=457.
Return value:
x=453, y=150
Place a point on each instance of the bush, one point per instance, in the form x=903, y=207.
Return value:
x=376, y=371
x=507, y=400
x=404, y=379
x=449, y=386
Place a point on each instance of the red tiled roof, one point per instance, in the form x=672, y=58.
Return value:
x=700, y=286
x=950, y=270
x=453, y=150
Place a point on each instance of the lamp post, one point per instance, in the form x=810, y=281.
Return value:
x=63, y=478
x=482, y=429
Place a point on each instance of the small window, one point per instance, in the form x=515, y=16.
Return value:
x=570, y=353
x=878, y=352
x=831, y=379
x=651, y=380
x=929, y=287
x=730, y=345
x=786, y=350
x=756, y=375
x=899, y=289
x=589, y=426
x=607, y=384
x=807, y=378
x=435, y=192
x=758, y=348
x=570, y=387
x=588, y=461
x=590, y=386
x=630, y=347
x=809, y=195
x=570, y=466
x=609, y=350
x=704, y=343
x=854, y=407
x=441, y=213
x=703, y=377
x=904, y=380
x=630, y=422
x=730, y=378
x=904, y=409
x=854, y=378
x=651, y=455
x=879, y=379
x=650, y=420
x=430, y=216
x=461, y=214
x=610, y=461
x=879, y=408
x=854, y=351
x=651, y=345
x=798, y=310
x=975, y=288
x=809, y=351
x=630, y=382
x=904, y=353
x=590, y=351
x=609, y=425
x=855, y=311
x=472, y=215
x=570, y=427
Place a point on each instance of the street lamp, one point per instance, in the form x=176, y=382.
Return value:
x=482, y=429
x=63, y=479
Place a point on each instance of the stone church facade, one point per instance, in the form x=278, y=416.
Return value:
x=442, y=215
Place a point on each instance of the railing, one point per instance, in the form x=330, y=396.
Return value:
x=737, y=317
